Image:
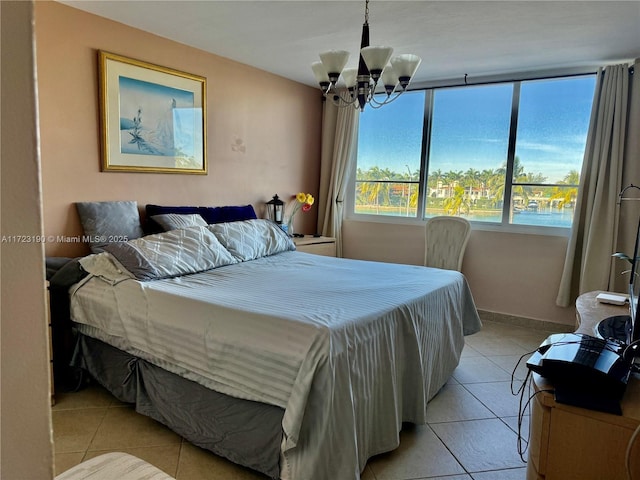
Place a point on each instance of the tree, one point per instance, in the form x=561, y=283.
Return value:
x=457, y=203
x=373, y=186
x=567, y=196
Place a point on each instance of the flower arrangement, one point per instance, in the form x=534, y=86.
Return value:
x=303, y=201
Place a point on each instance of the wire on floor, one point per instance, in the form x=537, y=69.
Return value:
x=523, y=443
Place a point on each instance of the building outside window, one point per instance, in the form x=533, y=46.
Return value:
x=501, y=153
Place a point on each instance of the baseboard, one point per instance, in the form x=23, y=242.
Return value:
x=534, y=323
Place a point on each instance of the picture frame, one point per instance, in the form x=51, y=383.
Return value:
x=154, y=118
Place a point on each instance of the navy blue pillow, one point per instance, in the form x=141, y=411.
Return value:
x=210, y=214
x=236, y=213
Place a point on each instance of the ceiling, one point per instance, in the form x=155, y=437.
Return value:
x=453, y=38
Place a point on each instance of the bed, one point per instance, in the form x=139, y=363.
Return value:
x=296, y=365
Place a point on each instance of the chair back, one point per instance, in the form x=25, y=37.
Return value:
x=445, y=242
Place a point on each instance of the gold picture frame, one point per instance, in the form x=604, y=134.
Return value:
x=154, y=119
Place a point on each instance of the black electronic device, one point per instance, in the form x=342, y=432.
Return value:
x=626, y=328
x=585, y=371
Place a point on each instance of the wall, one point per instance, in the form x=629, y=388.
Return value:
x=275, y=121
x=27, y=448
x=511, y=274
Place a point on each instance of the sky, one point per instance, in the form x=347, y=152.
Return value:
x=471, y=128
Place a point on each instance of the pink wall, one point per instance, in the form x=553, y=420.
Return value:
x=25, y=436
x=276, y=121
x=508, y=273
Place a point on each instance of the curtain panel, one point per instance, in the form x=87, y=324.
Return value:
x=596, y=225
x=339, y=145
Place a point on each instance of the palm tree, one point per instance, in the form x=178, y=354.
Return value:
x=371, y=187
x=457, y=203
x=567, y=195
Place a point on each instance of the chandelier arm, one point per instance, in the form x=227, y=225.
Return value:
x=376, y=104
x=340, y=101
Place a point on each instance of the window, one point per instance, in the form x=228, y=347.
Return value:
x=508, y=153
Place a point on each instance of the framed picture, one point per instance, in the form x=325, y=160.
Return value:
x=153, y=118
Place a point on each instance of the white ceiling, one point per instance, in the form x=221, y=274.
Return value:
x=454, y=38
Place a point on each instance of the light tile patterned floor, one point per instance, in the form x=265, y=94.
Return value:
x=470, y=435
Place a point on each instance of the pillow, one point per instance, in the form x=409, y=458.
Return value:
x=235, y=214
x=154, y=210
x=106, y=222
x=252, y=239
x=174, y=221
x=170, y=254
x=209, y=214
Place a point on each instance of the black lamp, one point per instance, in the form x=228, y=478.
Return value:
x=276, y=209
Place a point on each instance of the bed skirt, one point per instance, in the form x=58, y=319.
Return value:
x=245, y=432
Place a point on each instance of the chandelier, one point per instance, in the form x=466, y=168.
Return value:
x=373, y=72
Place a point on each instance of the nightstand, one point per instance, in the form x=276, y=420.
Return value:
x=318, y=245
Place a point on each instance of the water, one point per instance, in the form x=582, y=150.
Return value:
x=544, y=218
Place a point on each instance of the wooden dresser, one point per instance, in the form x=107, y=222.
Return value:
x=571, y=443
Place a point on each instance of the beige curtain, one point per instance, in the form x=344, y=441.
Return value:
x=339, y=142
x=594, y=236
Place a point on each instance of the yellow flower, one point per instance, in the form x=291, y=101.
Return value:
x=309, y=199
x=301, y=197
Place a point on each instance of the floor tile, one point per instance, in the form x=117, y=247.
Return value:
x=74, y=429
x=495, y=345
x=451, y=477
x=367, y=474
x=469, y=351
x=165, y=458
x=454, y=403
x=198, y=464
x=479, y=369
x=509, y=362
x=480, y=445
x=511, y=474
x=65, y=461
x=93, y=397
x=420, y=454
x=497, y=397
x=512, y=423
x=124, y=428
x=530, y=341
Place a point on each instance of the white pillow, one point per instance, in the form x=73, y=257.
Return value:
x=170, y=254
x=174, y=221
x=252, y=239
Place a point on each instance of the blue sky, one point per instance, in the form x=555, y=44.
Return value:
x=471, y=128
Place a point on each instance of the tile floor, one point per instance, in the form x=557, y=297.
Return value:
x=470, y=435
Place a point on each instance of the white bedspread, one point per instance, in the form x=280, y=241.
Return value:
x=350, y=349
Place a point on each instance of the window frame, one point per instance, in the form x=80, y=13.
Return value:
x=503, y=225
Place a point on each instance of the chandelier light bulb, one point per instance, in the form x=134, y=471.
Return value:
x=405, y=66
x=376, y=59
x=334, y=61
x=389, y=79
x=350, y=77
x=321, y=75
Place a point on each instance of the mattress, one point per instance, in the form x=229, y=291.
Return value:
x=350, y=349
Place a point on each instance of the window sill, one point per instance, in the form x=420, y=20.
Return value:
x=479, y=226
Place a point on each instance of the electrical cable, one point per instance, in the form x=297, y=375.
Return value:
x=627, y=458
x=522, y=443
